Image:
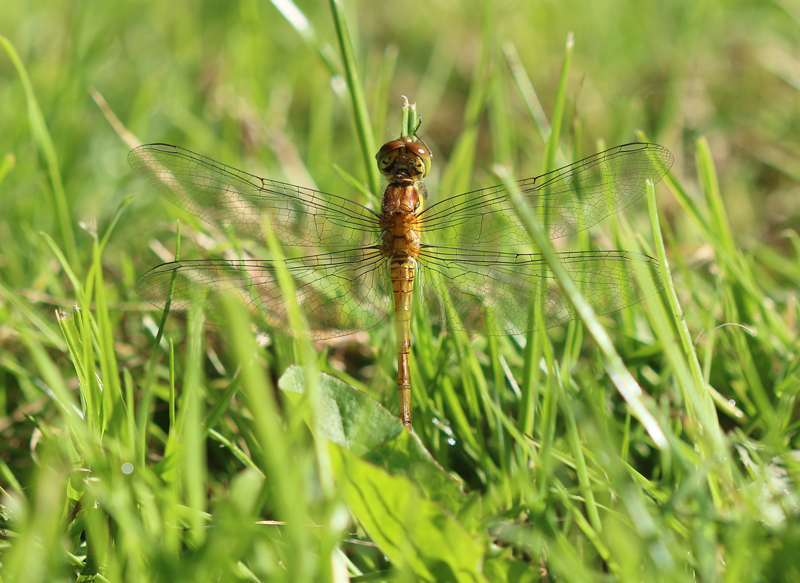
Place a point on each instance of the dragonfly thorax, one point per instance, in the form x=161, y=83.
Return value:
x=399, y=220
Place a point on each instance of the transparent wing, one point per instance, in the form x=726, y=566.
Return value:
x=457, y=286
x=339, y=293
x=242, y=203
x=573, y=198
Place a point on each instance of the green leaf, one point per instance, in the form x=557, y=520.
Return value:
x=345, y=415
x=413, y=532
x=505, y=568
x=355, y=421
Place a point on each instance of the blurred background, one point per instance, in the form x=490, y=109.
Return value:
x=237, y=81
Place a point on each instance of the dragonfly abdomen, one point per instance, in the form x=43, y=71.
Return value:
x=402, y=271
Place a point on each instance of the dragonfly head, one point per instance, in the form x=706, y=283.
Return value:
x=404, y=158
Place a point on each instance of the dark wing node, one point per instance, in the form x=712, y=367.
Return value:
x=569, y=200
x=339, y=293
x=243, y=204
x=458, y=287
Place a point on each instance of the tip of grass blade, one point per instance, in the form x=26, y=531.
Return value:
x=410, y=119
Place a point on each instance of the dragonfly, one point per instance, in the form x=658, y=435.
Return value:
x=467, y=258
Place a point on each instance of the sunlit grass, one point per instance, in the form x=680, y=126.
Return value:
x=529, y=461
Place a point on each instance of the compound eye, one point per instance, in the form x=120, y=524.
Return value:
x=423, y=157
x=387, y=148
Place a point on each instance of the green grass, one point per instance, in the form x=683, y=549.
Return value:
x=656, y=444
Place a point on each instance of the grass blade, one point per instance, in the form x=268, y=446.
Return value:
x=366, y=138
x=622, y=379
x=44, y=142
